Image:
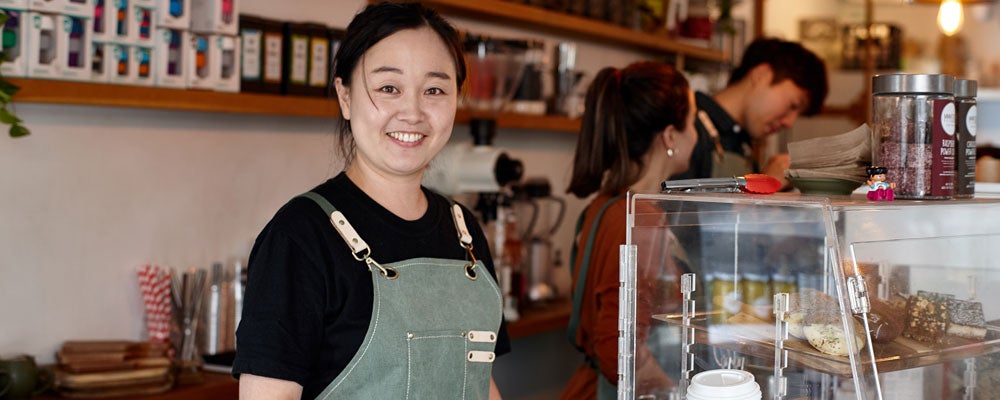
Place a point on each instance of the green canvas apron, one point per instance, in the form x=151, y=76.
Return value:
x=433, y=328
x=726, y=164
x=605, y=389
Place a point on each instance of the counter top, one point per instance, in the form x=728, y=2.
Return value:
x=219, y=386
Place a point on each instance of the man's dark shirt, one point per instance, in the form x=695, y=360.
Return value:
x=732, y=137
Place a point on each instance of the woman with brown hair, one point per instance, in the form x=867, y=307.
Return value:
x=638, y=130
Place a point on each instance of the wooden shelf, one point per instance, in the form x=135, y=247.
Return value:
x=540, y=19
x=99, y=94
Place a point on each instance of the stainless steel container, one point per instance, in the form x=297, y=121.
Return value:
x=913, y=121
x=965, y=138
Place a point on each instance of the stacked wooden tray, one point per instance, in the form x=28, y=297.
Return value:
x=100, y=369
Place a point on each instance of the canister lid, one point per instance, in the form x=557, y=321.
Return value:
x=965, y=88
x=912, y=83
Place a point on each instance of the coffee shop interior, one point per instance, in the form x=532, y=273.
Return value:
x=118, y=181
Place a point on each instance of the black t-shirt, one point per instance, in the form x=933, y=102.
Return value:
x=308, y=302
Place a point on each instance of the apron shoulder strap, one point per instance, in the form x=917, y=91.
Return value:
x=339, y=221
x=321, y=201
x=581, y=282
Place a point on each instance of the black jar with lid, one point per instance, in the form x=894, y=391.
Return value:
x=965, y=138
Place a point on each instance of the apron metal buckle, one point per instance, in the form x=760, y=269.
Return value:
x=389, y=273
x=470, y=268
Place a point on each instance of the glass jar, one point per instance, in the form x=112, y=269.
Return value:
x=965, y=138
x=725, y=296
x=757, y=295
x=913, y=118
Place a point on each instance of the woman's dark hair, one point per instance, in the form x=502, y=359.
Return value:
x=625, y=110
x=788, y=60
x=379, y=21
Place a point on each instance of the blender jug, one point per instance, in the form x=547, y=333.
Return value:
x=541, y=214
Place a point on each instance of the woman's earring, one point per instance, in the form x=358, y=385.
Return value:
x=670, y=152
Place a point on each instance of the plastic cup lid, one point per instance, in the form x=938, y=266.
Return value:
x=724, y=384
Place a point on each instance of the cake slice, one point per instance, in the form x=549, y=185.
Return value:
x=927, y=316
x=965, y=319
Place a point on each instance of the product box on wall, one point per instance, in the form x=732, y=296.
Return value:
x=228, y=65
x=174, y=14
x=170, y=56
x=103, y=21
x=48, y=6
x=100, y=68
x=43, y=45
x=16, y=30
x=76, y=42
x=121, y=15
x=118, y=63
x=215, y=16
x=142, y=24
x=202, y=62
x=14, y=4
x=142, y=64
x=80, y=8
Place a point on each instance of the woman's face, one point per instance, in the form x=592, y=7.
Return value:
x=401, y=103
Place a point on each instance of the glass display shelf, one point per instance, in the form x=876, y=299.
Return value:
x=816, y=296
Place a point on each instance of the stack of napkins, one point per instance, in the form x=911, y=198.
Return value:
x=844, y=156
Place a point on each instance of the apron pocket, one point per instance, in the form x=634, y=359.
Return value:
x=439, y=366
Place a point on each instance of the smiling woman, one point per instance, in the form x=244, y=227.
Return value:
x=397, y=296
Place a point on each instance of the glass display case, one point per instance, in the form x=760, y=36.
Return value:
x=819, y=298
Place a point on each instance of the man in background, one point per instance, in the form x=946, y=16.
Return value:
x=775, y=82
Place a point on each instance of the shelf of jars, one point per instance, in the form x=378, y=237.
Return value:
x=540, y=19
x=99, y=94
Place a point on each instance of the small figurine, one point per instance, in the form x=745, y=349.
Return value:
x=878, y=188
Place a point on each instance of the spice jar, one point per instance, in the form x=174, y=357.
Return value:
x=965, y=138
x=913, y=118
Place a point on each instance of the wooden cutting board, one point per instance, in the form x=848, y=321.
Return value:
x=110, y=379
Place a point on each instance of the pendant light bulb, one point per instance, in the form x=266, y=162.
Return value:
x=950, y=17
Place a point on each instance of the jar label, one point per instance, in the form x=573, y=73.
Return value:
x=943, y=149
x=965, y=150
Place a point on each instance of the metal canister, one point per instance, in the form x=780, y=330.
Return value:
x=965, y=138
x=913, y=118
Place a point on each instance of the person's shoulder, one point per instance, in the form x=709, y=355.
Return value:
x=300, y=211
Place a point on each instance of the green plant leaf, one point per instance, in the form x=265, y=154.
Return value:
x=18, y=130
x=8, y=117
x=8, y=88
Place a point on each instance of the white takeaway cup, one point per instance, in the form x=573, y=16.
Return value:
x=723, y=384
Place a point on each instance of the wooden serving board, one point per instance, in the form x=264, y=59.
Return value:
x=110, y=379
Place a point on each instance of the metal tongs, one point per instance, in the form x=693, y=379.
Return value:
x=732, y=184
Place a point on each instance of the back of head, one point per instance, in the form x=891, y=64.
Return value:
x=788, y=60
x=625, y=110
